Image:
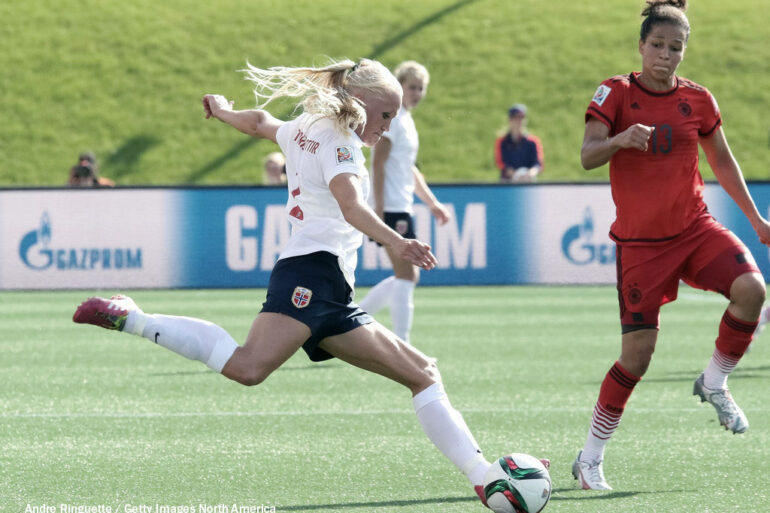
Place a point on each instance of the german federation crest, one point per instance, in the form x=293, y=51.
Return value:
x=301, y=297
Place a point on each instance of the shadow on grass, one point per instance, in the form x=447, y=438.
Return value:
x=233, y=152
x=378, y=504
x=397, y=39
x=378, y=50
x=126, y=159
x=583, y=496
x=311, y=366
x=590, y=496
x=317, y=366
x=179, y=373
x=691, y=376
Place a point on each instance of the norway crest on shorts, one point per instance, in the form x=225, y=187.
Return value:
x=301, y=297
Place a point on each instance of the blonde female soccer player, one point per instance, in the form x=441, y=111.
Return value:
x=309, y=298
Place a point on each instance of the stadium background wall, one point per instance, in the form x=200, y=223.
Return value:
x=227, y=237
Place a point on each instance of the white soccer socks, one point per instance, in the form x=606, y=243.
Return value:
x=402, y=307
x=379, y=296
x=448, y=431
x=192, y=338
x=718, y=369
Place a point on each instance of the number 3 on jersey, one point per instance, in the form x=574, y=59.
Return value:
x=661, y=138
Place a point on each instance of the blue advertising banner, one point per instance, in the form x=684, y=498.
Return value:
x=232, y=236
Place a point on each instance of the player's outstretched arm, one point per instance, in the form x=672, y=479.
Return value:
x=259, y=124
x=728, y=172
x=346, y=189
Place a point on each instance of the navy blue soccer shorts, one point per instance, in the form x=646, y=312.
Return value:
x=401, y=222
x=312, y=289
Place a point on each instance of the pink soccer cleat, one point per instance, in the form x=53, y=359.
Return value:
x=110, y=313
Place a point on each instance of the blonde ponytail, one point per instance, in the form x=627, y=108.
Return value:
x=327, y=91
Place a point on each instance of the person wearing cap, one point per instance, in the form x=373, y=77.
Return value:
x=518, y=154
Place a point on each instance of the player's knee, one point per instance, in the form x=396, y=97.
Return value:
x=749, y=290
x=428, y=375
x=249, y=377
x=637, y=350
x=431, y=371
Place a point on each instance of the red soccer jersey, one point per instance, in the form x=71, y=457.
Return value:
x=657, y=193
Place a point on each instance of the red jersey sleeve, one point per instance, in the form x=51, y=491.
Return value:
x=606, y=102
x=712, y=119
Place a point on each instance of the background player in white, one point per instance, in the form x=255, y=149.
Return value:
x=395, y=181
x=309, y=298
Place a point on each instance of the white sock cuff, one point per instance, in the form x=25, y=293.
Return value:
x=435, y=392
x=406, y=284
x=135, y=322
x=223, y=350
x=471, y=465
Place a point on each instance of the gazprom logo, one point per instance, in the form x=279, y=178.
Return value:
x=578, y=245
x=36, y=253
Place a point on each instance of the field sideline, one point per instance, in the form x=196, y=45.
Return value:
x=90, y=418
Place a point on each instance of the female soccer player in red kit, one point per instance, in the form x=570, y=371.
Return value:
x=648, y=125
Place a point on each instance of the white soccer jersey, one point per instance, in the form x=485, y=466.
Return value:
x=315, y=153
x=399, y=175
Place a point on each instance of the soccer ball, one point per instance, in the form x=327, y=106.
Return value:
x=517, y=483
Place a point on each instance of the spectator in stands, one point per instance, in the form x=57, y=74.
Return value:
x=86, y=173
x=518, y=154
x=275, y=169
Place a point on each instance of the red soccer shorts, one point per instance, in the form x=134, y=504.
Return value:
x=706, y=255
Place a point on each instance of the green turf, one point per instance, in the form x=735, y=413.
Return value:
x=124, y=79
x=91, y=417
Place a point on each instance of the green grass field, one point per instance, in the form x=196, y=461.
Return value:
x=124, y=79
x=95, y=418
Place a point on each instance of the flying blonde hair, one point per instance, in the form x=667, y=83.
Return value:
x=327, y=91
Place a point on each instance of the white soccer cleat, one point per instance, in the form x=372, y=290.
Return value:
x=589, y=474
x=730, y=415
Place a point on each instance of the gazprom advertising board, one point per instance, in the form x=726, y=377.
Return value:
x=231, y=237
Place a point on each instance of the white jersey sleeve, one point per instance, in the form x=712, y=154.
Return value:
x=340, y=158
x=282, y=135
